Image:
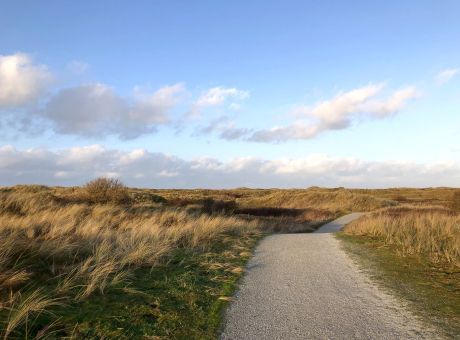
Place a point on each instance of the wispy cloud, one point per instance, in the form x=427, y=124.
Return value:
x=225, y=127
x=144, y=168
x=216, y=96
x=338, y=113
x=445, y=75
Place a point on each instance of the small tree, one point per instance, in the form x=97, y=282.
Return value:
x=455, y=204
x=106, y=190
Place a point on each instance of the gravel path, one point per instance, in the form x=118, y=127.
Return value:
x=304, y=286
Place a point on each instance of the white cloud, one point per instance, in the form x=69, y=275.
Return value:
x=143, y=168
x=161, y=101
x=21, y=81
x=393, y=104
x=445, y=75
x=96, y=110
x=216, y=96
x=337, y=113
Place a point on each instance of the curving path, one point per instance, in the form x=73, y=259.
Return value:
x=304, y=286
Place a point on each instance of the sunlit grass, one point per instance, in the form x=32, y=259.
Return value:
x=431, y=231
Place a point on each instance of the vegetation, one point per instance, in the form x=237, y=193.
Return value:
x=455, y=205
x=104, y=260
x=105, y=190
x=72, y=259
x=415, y=251
x=430, y=231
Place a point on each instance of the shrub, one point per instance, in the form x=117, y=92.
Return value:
x=270, y=212
x=106, y=190
x=211, y=206
x=400, y=198
x=145, y=197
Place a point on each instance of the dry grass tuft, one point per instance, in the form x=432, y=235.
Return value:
x=25, y=306
x=431, y=231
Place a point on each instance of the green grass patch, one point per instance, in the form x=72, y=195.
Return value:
x=183, y=298
x=432, y=290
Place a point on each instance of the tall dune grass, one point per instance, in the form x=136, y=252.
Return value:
x=431, y=231
x=79, y=249
x=64, y=245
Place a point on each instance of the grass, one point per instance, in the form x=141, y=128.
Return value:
x=429, y=231
x=415, y=252
x=181, y=298
x=70, y=256
x=56, y=249
x=432, y=290
x=104, y=260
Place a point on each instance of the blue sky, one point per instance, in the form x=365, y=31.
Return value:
x=259, y=93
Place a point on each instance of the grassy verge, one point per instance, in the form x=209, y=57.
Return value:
x=433, y=289
x=94, y=266
x=181, y=299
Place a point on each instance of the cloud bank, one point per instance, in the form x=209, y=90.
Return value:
x=143, y=168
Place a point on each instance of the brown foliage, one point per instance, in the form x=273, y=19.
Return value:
x=106, y=190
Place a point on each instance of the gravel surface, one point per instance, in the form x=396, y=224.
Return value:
x=304, y=286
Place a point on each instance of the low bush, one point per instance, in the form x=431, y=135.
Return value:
x=212, y=206
x=106, y=190
x=147, y=198
x=270, y=212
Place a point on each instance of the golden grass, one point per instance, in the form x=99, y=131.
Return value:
x=22, y=307
x=66, y=244
x=335, y=200
x=432, y=231
x=89, y=247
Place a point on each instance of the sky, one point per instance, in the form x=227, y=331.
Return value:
x=213, y=94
